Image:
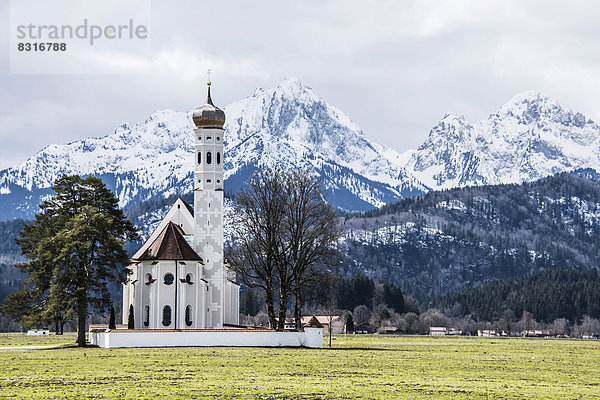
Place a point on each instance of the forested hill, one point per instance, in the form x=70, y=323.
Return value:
x=548, y=295
x=445, y=241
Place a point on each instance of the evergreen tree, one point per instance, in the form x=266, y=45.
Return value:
x=75, y=248
x=350, y=324
x=131, y=319
x=392, y=296
x=248, y=303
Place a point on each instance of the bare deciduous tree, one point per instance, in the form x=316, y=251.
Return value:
x=285, y=234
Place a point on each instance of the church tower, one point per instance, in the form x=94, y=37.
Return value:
x=208, y=208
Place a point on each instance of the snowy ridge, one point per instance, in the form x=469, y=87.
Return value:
x=528, y=138
x=287, y=125
x=290, y=125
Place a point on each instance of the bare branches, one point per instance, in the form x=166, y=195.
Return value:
x=286, y=236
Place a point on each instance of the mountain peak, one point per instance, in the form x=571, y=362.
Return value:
x=532, y=106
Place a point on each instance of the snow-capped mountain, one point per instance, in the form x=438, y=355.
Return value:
x=529, y=137
x=288, y=125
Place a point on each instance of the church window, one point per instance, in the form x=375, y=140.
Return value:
x=168, y=279
x=218, y=158
x=199, y=157
x=166, y=321
x=199, y=137
x=208, y=181
x=148, y=279
x=209, y=138
x=218, y=139
x=188, y=315
x=208, y=157
x=146, y=315
x=189, y=279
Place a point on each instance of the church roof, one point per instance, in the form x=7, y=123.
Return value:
x=190, y=209
x=170, y=245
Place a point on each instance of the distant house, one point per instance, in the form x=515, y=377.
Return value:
x=454, y=332
x=487, y=332
x=391, y=330
x=438, y=330
x=364, y=328
x=338, y=324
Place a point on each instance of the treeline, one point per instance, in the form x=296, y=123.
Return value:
x=361, y=290
x=547, y=295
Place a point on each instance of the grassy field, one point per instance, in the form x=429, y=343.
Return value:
x=366, y=367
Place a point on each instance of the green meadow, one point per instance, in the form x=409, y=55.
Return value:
x=363, y=367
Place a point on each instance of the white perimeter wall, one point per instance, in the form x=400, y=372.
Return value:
x=311, y=337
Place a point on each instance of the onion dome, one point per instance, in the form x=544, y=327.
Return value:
x=208, y=115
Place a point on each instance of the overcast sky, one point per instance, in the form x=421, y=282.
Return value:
x=395, y=67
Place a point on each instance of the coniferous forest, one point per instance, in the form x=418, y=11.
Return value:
x=449, y=240
x=547, y=295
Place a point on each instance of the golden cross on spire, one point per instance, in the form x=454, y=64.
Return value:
x=208, y=72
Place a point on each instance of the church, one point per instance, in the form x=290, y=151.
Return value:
x=180, y=278
x=182, y=290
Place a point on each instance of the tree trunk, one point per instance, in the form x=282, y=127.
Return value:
x=282, y=308
x=82, y=308
x=56, y=326
x=298, y=310
x=330, y=329
x=270, y=308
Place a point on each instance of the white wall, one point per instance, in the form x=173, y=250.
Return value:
x=311, y=337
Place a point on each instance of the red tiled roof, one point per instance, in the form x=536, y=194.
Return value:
x=170, y=245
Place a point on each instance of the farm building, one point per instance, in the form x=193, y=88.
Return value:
x=364, y=328
x=337, y=323
x=438, y=331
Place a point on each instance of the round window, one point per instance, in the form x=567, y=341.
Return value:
x=169, y=279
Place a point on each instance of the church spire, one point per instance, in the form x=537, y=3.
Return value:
x=208, y=115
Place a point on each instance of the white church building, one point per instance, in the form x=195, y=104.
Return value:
x=180, y=278
x=181, y=290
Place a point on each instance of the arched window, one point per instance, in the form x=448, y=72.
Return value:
x=188, y=315
x=168, y=279
x=166, y=316
x=199, y=157
x=148, y=279
x=208, y=157
x=218, y=158
x=189, y=279
x=146, y=315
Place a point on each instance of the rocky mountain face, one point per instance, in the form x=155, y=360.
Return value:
x=528, y=138
x=288, y=125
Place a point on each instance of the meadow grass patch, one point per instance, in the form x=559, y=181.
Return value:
x=366, y=367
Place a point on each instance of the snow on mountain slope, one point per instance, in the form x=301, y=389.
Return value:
x=287, y=125
x=529, y=137
x=291, y=124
